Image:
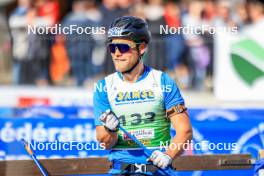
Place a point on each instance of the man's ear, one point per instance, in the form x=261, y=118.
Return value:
x=142, y=48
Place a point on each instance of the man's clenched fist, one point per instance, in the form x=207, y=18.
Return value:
x=160, y=159
x=110, y=120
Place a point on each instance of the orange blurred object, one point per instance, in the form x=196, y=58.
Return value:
x=59, y=61
x=28, y=101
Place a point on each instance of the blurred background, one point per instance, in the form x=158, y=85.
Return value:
x=47, y=80
x=34, y=59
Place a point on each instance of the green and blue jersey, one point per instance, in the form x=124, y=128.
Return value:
x=141, y=109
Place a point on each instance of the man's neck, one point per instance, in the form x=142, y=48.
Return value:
x=134, y=75
x=258, y=18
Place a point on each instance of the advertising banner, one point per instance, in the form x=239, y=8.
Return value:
x=239, y=64
x=71, y=135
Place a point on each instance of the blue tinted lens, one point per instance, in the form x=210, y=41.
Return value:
x=123, y=48
x=112, y=48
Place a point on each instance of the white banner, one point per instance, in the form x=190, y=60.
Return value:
x=239, y=64
x=23, y=96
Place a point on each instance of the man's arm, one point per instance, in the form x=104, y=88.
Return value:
x=176, y=112
x=181, y=123
x=106, y=137
x=101, y=106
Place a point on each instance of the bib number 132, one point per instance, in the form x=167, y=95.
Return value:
x=137, y=119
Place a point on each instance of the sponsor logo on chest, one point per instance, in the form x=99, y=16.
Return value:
x=140, y=134
x=134, y=96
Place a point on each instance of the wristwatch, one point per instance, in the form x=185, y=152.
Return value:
x=111, y=131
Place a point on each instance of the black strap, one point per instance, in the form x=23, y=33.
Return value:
x=138, y=168
x=176, y=110
x=111, y=131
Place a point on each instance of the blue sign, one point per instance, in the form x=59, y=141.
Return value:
x=67, y=132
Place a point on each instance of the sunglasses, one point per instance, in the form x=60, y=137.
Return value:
x=122, y=47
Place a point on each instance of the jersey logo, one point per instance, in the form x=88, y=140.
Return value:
x=140, y=134
x=132, y=96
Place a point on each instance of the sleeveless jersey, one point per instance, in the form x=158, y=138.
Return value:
x=140, y=109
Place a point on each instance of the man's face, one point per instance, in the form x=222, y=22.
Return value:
x=124, y=61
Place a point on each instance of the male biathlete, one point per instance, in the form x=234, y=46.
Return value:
x=144, y=101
